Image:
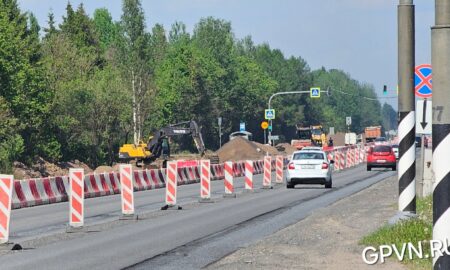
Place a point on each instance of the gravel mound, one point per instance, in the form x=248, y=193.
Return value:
x=242, y=149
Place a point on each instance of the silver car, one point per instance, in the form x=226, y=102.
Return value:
x=309, y=167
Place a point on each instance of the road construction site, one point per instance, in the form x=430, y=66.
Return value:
x=154, y=235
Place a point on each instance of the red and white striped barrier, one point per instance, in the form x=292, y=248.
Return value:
x=279, y=169
x=342, y=159
x=6, y=187
x=205, y=180
x=228, y=181
x=249, y=175
x=267, y=172
x=76, y=178
x=126, y=189
x=171, y=183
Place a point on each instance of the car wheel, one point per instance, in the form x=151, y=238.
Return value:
x=369, y=168
x=290, y=186
x=394, y=168
x=329, y=184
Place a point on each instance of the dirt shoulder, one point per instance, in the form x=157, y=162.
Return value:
x=327, y=239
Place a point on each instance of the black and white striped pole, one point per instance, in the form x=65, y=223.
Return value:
x=440, y=59
x=406, y=109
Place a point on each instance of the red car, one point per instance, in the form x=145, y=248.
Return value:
x=381, y=156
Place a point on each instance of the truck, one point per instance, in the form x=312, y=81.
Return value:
x=303, y=137
x=350, y=138
x=319, y=137
x=371, y=133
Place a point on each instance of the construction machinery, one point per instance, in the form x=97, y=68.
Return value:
x=371, y=133
x=303, y=137
x=319, y=137
x=145, y=153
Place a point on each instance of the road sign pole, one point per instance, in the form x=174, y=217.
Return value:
x=406, y=108
x=440, y=60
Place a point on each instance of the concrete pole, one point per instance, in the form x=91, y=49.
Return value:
x=406, y=108
x=440, y=60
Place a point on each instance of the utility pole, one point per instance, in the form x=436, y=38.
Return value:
x=406, y=109
x=219, y=122
x=440, y=61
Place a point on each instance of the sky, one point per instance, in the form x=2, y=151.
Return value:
x=357, y=36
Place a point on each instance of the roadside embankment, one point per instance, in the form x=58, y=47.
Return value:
x=327, y=239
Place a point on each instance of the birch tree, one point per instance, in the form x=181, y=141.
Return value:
x=135, y=56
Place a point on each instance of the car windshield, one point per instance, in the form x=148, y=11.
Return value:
x=395, y=146
x=316, y=132
x=382, y=148
x=380, y=139
x=308, y=155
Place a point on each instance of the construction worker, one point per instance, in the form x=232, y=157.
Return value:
x=330, y=142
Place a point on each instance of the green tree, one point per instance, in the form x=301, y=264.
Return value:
x=389, y=116
x=136, y=63
x=106, y=29
x=21, y=75
x=11, y=143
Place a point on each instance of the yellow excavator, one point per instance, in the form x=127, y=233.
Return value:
x=145, y=153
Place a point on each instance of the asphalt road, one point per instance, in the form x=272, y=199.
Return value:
x=191, y=238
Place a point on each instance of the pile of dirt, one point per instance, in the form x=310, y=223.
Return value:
x=338, y=139
x=267, y=148
x=104, y=169
x=43, y=168
x=285, y=148
x=242, y=149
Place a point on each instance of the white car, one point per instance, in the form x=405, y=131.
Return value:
x=395, y=148
x=309, y=167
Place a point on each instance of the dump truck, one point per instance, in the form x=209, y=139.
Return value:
x=304, y=137
x=371, y=133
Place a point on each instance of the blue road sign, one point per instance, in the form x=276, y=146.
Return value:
x=315, y=92
x=423, y=81
x=242, y=127
x=269, y=114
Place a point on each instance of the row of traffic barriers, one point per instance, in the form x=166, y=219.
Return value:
x=47, y=190
x=348, y=156
x=39, y=191
x=76, y=187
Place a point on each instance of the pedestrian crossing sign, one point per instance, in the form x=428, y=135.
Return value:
x=315, y=92
x=269, y=114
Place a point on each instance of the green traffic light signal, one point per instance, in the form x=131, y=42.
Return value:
x=384, y=89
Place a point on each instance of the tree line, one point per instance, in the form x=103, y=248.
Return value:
x=80, y=89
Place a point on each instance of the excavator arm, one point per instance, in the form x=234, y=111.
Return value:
x=179, y=129
x=145, y=153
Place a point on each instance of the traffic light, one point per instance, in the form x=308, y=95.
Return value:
x=384, y=90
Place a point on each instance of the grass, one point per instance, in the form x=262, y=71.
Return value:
x=413, y=231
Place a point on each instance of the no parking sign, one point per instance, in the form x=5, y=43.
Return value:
x=423, y=81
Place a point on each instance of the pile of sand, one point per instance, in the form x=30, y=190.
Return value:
x=285, y=148
x=242, y=149
x=267, y=148
x=104, y=169
x=338, y=139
